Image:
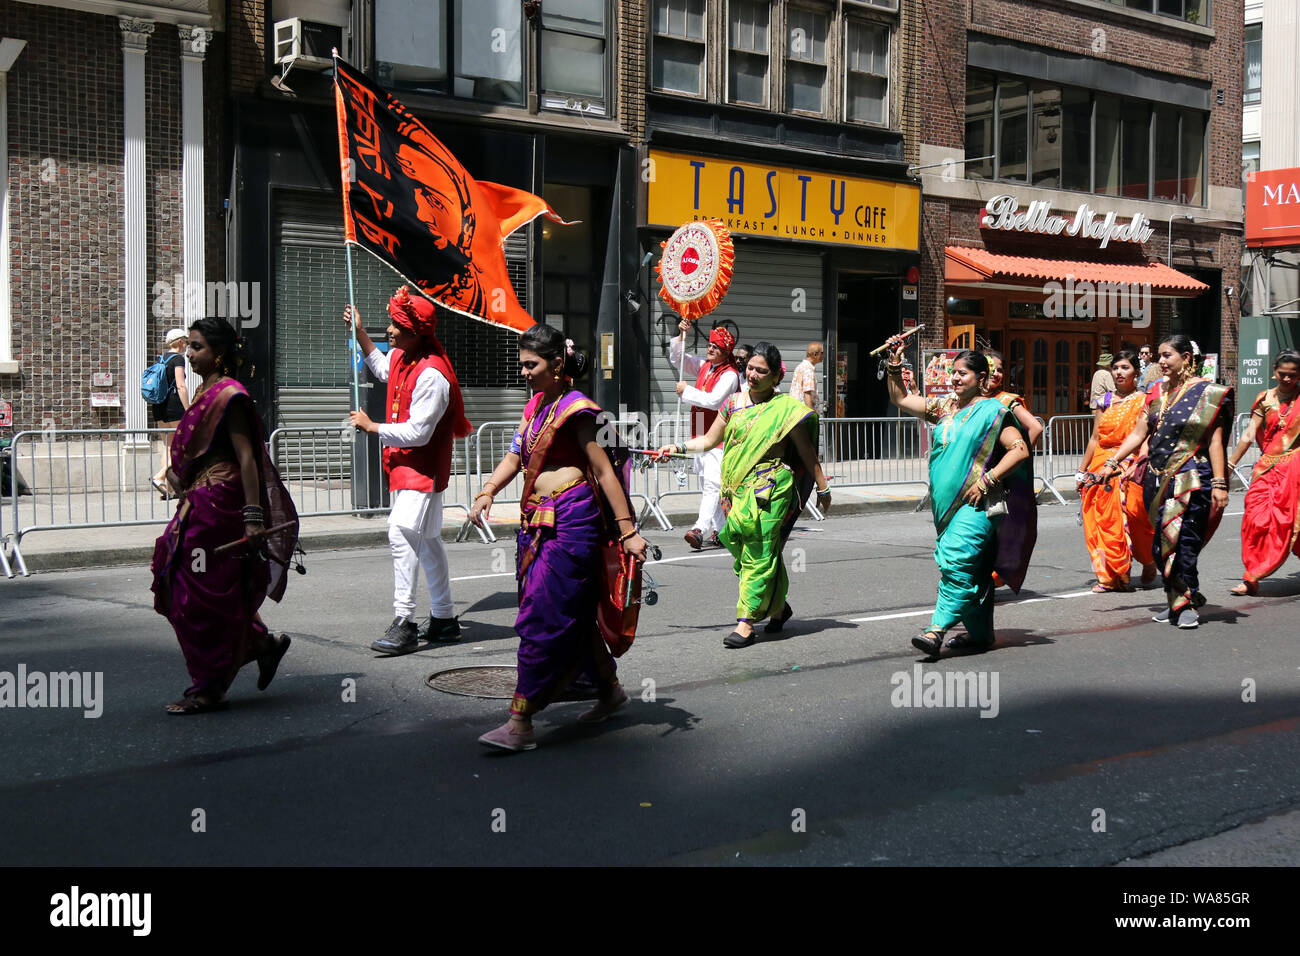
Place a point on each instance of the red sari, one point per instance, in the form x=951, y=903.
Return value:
x=1270, y=528
x=1116, y=526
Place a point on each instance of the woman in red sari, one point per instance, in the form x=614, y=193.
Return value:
x=1270, y=528
x=228, y=490
x=1116, y=527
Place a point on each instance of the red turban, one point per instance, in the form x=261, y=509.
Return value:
x=722, y=338
x=414, y=313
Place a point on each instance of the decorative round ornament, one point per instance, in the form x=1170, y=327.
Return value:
x=695, y=268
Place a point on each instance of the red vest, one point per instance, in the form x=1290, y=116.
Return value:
x=426, y=467
x=710, y=375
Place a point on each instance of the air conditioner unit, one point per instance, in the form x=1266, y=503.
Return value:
x=306, y=43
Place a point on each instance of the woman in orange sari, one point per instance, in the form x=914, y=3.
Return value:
x=1115, y=523
x=1270, y=528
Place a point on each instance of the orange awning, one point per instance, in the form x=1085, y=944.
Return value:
x=967, y=266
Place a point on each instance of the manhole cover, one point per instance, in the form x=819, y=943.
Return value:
x=491, y=681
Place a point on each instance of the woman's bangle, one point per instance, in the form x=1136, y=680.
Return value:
x=253, y=513
x=631, y=534
x=1217, y=483
x=1112, y=463
x=823, y=492
x=485, y=492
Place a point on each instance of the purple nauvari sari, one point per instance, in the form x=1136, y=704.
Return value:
x=212, y=599
x=558, y=564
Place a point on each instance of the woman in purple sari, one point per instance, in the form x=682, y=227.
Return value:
x=559, y=560
x=228, y=490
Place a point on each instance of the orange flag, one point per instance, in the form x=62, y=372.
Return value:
x=410, y=202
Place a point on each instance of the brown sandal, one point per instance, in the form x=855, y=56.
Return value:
x=1246, y=589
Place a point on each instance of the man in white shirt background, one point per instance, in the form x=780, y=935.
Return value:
x=716, y=380
x=803, y=386
x=425, y=415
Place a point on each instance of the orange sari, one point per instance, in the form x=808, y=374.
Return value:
x=1270, y=528
x=1115, y=522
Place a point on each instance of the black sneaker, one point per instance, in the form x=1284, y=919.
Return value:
x=400, y=638
x=441, y=630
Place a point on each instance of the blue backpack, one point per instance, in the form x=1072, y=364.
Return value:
x=155, y=383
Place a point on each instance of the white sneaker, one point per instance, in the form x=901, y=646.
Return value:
x=1162, y=617
x=1189, y=618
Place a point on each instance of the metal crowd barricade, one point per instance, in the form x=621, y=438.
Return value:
x=4, y=538
x=315, y=464
x=1065, y=437
x=866, y=452
x=85, y=478
x=1252, y=455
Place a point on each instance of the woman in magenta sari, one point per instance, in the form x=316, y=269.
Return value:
x=1270, y=527
x=559, y=560
x=228, y=490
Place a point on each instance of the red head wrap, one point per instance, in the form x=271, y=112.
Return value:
x=414, y=313
x=722, y=338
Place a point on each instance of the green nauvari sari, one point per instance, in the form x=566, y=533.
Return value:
x=971, y=544
x=763, y=493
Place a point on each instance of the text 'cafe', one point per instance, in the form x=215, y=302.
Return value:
x=1052, y=290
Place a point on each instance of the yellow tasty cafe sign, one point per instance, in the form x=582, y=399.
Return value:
x=782, y=203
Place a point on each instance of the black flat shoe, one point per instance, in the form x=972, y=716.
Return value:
x=269, y=662
x=736, y=639
x=928, y=642
x=965, y=644
x=774, y=626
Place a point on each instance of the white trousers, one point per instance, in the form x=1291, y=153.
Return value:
x=415, y=536
x=709, y=467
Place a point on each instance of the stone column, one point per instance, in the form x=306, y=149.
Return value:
x=135, y=41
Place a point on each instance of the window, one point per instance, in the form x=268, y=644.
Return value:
x=1192, y=11
x=818, y=58
x=1249, y=160
x=678, y=46
x=573, y=50
x=747, y=52
x=866, y=73
x=981, y=87
x=805, y=68
x=1254, y=63
x=1013, y=104
x=1062, y=137
x=479, y=50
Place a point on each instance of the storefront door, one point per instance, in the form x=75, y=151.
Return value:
x=1052, y=369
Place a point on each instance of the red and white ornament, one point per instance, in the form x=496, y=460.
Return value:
x=696, y=267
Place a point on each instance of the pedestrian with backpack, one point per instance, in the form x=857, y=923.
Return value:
x=165, y=390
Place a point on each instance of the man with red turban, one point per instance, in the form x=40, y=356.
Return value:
x=715, y=379
x=425, y=414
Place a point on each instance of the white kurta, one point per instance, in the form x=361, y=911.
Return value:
x=415, y=517
x=709, y=464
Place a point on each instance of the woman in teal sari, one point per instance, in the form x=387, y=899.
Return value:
x=981, y=497
x=769, y=464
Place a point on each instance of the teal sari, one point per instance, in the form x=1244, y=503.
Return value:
x=972, y=545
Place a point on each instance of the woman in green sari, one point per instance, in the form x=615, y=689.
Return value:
x=769, y=465
x=978, y=461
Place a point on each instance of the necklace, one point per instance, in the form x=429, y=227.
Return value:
x=534, y=435
x=1171, y=399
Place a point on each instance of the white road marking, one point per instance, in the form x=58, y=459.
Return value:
x=928, y=611
x=685, y=557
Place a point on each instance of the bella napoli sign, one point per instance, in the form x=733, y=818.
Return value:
x=1003, y=212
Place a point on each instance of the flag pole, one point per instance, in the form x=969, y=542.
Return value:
x=352, y=302
x=681, y=371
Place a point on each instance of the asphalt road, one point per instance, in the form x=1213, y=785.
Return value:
x=1110, y=737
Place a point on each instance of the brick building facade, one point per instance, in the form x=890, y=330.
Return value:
x=86, y=249
x=1133, y=112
